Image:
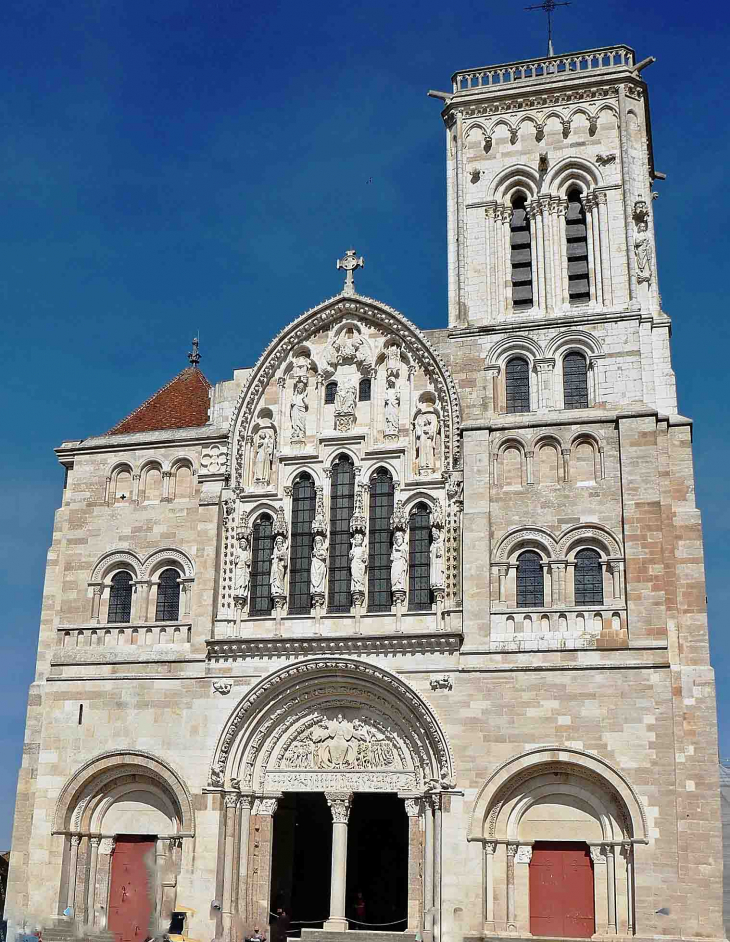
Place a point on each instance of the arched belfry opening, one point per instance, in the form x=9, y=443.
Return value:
x=339, y=767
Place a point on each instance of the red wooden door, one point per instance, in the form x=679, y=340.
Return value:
x=561, y=891
x=131, y=889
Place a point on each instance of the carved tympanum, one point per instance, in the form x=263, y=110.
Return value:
x=339, y=743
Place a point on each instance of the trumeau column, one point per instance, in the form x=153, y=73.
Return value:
x=340, y=804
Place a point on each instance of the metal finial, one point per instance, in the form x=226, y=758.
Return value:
x=194, y=356
x=349, y=263
x=548, y=6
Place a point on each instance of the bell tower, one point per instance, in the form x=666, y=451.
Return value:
x=549, y=176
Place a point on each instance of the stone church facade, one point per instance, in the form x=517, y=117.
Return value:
x=402, y=627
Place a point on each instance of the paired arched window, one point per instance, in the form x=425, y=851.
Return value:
x=588, y=578
x=364, y=390
x=342, y=504
x=123, y=486
x=520, y=255
x=576, y=234
x=302, y=514
x=120, y=598
x=262, y=547
x=575, y=381
x=530, y=582
x=168, y=596
x=419, y=559
x=330, y=391
x=517, y=385
x=381, y=510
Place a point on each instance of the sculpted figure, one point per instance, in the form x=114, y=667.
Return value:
x=437, y=559
x=263, y=456
x=345, y=398
x=318, y=572
x=392, y=407
x=242, y=562
x=426, y=427
x=279, y=564
x=643, y=253
x=398, y=563
x=298, y=410
x=358, y=563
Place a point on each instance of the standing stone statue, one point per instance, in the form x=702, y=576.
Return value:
x=263, y=457
x=279, y=564
x=392, y=407
x=426, y=428
x=298, y=410
x=398, y=563
x=358, y=563
x=437, y=559
x=345, y=404
x=318, y=572
x=242, y=563
x=643, y=253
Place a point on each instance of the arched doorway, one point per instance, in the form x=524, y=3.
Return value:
x=122, y=817
x=351, y=747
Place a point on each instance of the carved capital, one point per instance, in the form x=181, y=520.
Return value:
x=512, y=849
x=598, y=853
x=75, y=840
x=340, y=804
x=490, y=847
x=413, y=807
x=524, y=854
x=231, y=800
x=267, y=806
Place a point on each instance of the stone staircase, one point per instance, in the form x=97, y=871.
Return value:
x=355, y=935
x=66, y=930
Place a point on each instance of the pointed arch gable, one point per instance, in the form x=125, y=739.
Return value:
x=266, y=721
x=325, y=316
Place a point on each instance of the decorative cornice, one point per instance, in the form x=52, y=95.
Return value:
x=438, y=642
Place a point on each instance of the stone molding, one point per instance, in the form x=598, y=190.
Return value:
x=440, y=642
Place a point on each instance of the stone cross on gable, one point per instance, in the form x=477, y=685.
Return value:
x=349, y=263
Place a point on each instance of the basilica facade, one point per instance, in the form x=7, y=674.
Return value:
x=397, y=629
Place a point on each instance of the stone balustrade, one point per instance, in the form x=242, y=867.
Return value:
x=99, y=636
x=523, y=629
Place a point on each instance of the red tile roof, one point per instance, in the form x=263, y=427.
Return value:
x=182, y=403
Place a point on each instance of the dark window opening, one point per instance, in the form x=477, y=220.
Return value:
x=517, y=382
x=120, y=598
x=382, y=497
x=521, y=255
x=575, y=381
x=263, y=545
x=364, y=389
x=576, y=234
x=302, y=514
x=530, y=582
x=419, y=559
x=330, y=391
x=342, y=505
x=81, y=713
x=588, y=578
x=168, y=596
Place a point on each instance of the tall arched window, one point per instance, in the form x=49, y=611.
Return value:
x=576, y=235
x=575, y=381
x=588, y=578
x=521, y=255
x=530, y=582
x=517, y=383
x=120, y=598
x=342, y=504
x=263, y=544
x=168, y=596
x=123, y=486
x=363, y=390
x=330, y=391
x=302, y=514
x=419, y=559
x=381, y=510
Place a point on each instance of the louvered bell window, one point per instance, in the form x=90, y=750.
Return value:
x=381, y=509
x=302, y=514
x=168, y=596
x=262, y=547
x=419, y=559
x=330, y=391
x=588, y=578
x=517, y=383
x=575, y=381
x=530, y=582
x=521, y=255
x=120, y=598
x=363, y=390
x=342, y=504
x=579, y=289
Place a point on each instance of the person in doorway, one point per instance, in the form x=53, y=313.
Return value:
x=280, y=928
x=256, y=936
x=360, y=907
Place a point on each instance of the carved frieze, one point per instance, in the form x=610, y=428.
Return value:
x=339, y=743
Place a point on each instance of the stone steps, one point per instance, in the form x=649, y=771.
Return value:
x=355, y=935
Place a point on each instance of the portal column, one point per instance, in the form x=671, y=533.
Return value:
x=415, y=865
x=437, y=822
x=231, y=804
x=93, y=868
x=244, y=830
x=340, y=804
x=428, y=871
x=72, y=872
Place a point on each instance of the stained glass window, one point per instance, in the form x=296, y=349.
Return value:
x=263, y=544
x=530, y=582
x=120, y=598
x=342, y=504
x=302, y=514
x=381, y=510
x=168, y=596
x=419, y=559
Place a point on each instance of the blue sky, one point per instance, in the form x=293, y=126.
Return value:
x=173, y=166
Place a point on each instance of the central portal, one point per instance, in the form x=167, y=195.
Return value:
x=375, y=869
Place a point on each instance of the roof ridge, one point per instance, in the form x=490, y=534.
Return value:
x=193, y=370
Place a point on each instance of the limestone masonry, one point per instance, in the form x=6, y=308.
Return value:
x=397, y=626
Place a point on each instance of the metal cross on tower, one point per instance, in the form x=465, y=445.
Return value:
x=350, y=262
x=548, y=6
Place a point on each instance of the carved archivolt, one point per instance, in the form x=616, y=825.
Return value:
x=115, y=559
x=511, y=540
x=178, y=556
x=558, y=547
x=328, y=719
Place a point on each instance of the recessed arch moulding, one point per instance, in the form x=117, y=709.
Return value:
x=332, y=724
